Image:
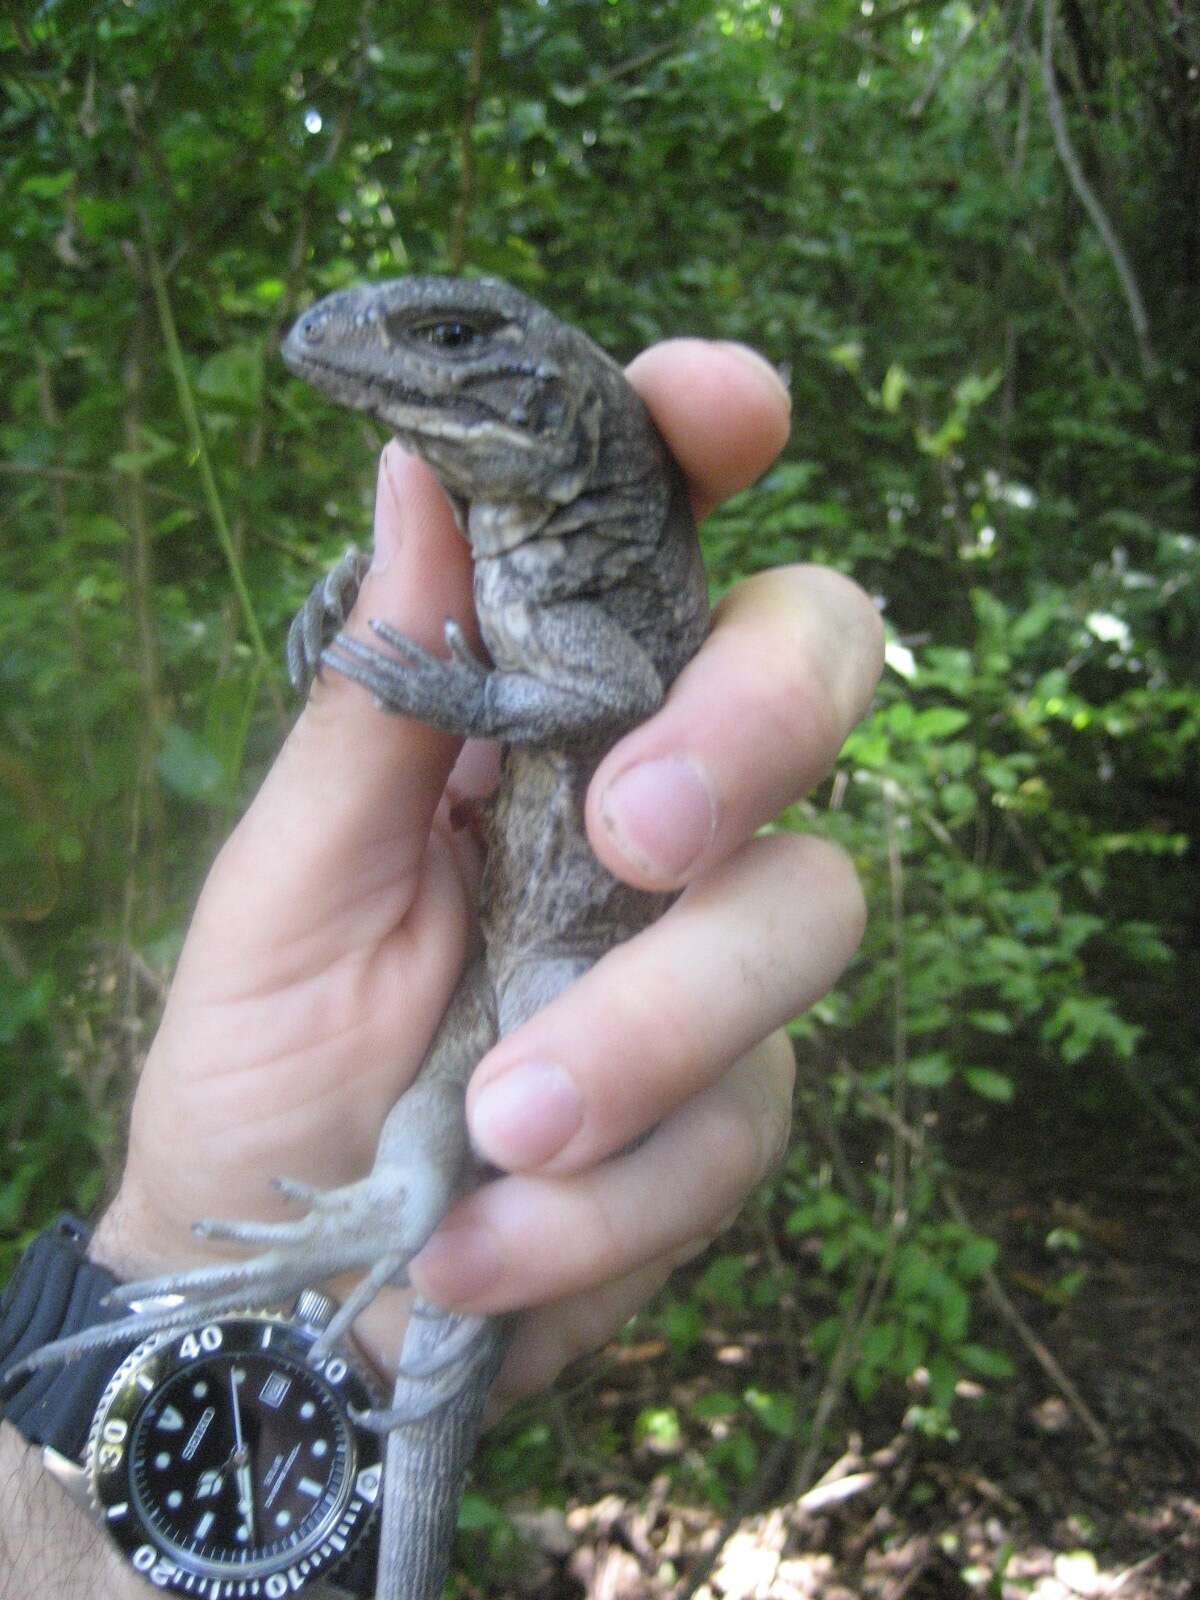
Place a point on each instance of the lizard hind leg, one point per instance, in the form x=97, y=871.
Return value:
x=376, y=1223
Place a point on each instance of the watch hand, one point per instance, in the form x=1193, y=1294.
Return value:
x=241, y=1456
x=239, y=1442
x=246, y=1496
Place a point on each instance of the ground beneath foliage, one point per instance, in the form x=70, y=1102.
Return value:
x=1026, y=1503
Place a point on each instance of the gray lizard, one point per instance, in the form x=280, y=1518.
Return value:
x=591, y=597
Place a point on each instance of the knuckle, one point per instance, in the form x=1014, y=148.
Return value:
x=812, y=645
x=762, y=1083
x=845, y=900
x=614, y=1239
x=649, y=1016
x=831, y=885
x=727, y=1147
x=794, y=702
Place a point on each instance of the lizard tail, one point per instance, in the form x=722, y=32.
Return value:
x=426, y=1466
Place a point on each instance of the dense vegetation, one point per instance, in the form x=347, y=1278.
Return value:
x=970, y=232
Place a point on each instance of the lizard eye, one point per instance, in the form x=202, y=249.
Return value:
x=447, y=335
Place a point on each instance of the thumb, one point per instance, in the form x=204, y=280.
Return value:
x=346, y=809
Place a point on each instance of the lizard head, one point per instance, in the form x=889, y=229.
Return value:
x=499, y=397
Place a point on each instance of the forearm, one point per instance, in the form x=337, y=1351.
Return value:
x=48, y=1546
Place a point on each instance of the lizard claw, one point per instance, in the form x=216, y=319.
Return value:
x=130, y=1330
x=446, y=694
x=443, y=1355
x=389, y=1270
x=460, y=649
x=328, y=605
x=377, y=1223
x=195, y=1286
x=302, y=1193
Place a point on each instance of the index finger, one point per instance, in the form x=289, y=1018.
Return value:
x=723, y=410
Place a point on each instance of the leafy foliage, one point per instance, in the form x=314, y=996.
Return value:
x=873, y=193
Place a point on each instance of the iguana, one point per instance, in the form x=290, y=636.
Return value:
x=591, y=598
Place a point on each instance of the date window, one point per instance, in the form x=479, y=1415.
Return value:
x=274, y=1391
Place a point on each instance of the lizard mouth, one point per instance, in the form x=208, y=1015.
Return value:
x=453, y=415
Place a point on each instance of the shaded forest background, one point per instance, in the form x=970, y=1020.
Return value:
x=971, y=235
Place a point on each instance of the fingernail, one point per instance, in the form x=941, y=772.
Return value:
x=387, y=516
x=456, y=1265
x=661, y=815
x=525, y=1116
x=759, y=363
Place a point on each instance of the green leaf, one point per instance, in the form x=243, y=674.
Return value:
x=715, y=1407
x=659, y=1427
x=998, y=1022
x=939, y=722
x=155, y=448
x=723, y=1281
x=776, y=1412
x=476, y=1514
x=988, y=1084
x=682, y=1325
x=99, y=529
x=24, y=1002
x=187, y=766
x=233, y=377
x=931, y=1071
x=895, y=382
x=975, y=1257
x=47, y=185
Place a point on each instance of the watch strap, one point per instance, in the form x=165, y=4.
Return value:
x=55, y=1291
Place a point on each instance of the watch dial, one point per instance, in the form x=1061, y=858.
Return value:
x=226, y=1464
x=238, y=1459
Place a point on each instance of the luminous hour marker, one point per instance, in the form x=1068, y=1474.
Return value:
x=200, y=1390
x=162, y=1460
x=308, y=1487
x=242, y=1534
x=283, y=1519
x=170, y=1421
x=205, y=1523
x=174, y=1499
x=320, y=1447
x=308, y=1410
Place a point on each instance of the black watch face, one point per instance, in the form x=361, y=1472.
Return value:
x=227, y=1465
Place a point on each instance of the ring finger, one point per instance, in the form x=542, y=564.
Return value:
x=748, y=947
x=526, y=1240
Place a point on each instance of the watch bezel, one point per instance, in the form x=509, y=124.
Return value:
x=108, y=1462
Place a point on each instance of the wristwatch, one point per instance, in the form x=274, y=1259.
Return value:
x=221, y=1461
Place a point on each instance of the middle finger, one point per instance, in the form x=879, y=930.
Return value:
x=664, y=1014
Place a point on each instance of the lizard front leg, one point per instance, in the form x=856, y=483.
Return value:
x=585, y=674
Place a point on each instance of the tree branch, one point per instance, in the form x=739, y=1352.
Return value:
x=1088, y=198
x=466, y=192
x=917, y=109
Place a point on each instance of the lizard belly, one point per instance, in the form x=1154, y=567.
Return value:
x=551, y=908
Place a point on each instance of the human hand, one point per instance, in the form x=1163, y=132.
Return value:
x=331, y=931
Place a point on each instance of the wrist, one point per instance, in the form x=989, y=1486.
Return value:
x=133, y=1239
x=48, y=1545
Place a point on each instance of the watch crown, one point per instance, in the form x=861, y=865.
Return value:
x=315, y=1309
